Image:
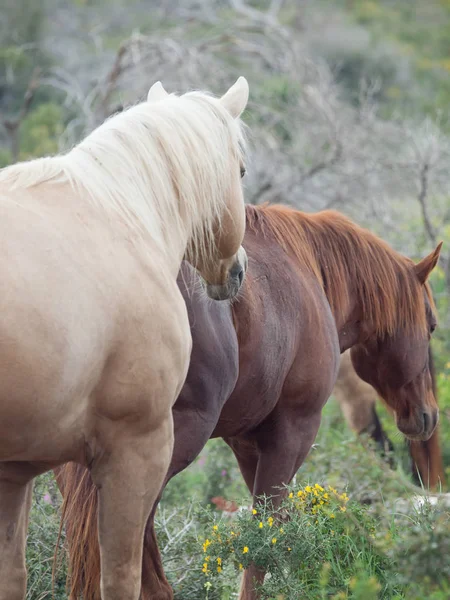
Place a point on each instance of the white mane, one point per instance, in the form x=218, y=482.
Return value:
x=164, y=167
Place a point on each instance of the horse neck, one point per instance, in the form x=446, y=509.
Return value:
x=350, y=323
x=350, y=328
x=353, y=314
x=162, y=202
x=164, y=225
x=369, y=287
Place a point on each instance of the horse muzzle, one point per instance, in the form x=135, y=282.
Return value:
x=236, y=277
x=421, y=427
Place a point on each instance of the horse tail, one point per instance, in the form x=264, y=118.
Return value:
x=428, y=468
x=79, y=515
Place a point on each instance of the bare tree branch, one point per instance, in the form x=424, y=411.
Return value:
x=112, y=77
x=422, y=198
x=12, y=126
x=275, y=7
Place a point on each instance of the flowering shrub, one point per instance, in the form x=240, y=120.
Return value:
x=313, y=545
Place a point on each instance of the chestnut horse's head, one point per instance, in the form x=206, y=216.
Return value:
x=397, y=365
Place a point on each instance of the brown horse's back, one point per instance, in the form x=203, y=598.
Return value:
x=288, y=343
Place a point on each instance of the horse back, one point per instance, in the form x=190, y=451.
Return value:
x=287, y=338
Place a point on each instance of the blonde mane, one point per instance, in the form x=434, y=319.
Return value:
x=162, y=167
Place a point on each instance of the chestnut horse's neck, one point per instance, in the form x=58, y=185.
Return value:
x=372, y=290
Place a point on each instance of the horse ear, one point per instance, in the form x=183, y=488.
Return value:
x=156, y=92
x=235, y=100
x=427, y=264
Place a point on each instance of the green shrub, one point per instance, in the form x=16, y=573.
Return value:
x=40, y=131
x=318, y=544
x=42, y=541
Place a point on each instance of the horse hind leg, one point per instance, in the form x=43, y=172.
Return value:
x=187, y=447
x=282, y=445
x=16, y=487
x=376, y=432
x=129, y=480
x=154, y=582
x=247, y=456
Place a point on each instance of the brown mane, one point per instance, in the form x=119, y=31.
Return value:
x=336, y=250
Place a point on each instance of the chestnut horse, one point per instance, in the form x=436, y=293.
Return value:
x=95, y=339
x=316, y=285
x=357, y=400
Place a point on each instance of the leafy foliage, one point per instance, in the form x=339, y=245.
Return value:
x=43, y=539
x=40, y=131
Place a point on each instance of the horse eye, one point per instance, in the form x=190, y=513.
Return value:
x=243, y=171
x=432, y=327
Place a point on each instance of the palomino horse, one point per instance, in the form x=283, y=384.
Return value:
x=316, y=285
x=357, y=400
x=95, y=337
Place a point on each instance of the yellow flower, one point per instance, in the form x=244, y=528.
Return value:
x=261, y=524
x=319, y=487
x=219, y=561
x=274, y=540
x=291, y=495
x=240, y=567
x=281, y=530
x=342, y=508
x=289, y=549
x=308, y=489
x=254, y=511
x=270, y=521
x=219, y=569
x=205, y=568
x=215, y=528
x=332, y=516
x=245, y=550
x=206, y=544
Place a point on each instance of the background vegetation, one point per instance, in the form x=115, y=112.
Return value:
x=349, y=109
